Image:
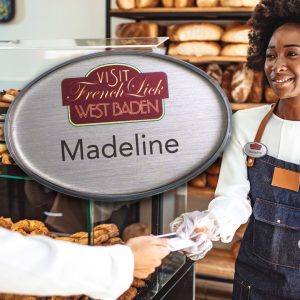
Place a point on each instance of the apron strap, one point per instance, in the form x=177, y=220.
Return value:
x=260, y=131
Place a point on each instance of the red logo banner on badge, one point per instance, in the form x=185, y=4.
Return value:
x=115, y=93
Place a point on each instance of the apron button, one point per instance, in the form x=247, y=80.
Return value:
x=299, y=244
x=278, y=221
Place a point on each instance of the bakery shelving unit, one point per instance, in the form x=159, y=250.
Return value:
x=218, y=265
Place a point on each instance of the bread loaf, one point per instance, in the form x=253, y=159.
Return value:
x=183, y=3
x=1, y=133
x=195, y=48
x=241, y=83
x=237, y=34
x=199, y=181
x=168, y=3
x=250, y=3
x=207, y=3
x=214, y=71
x=126, y=4
x=146, y=3
x=195, y=32
x=212, y=181
x=235, y=50
x=125, y=30
x=256, y=92
x=232, y=3
x=270, y=96
x=227, y=78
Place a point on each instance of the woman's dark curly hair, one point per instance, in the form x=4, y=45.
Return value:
x=267, y=17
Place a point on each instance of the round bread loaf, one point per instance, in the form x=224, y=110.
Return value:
x=214, y=71
x=227, y=78
x=168, y=3
x=140, y=29
x=146, y=3
x=256, y=92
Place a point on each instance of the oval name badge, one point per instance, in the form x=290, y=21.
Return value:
x=118, y=125
x=255, y=149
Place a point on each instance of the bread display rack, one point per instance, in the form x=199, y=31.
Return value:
x=219, y=263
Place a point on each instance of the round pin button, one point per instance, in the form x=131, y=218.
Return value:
x=255, y=149
x=299, y=244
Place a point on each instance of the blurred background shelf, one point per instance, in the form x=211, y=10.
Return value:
x=187, y=13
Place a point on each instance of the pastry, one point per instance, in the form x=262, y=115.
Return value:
x=168, y=3
x=129, y=294
x=111, y=229
x=183, y=3
x=29, y=226
x=6, y=222
x=138, y=283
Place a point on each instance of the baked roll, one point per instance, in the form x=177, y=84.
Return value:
x=146, y=3
x=126, y=30
x=231, y=3
x=200, y=181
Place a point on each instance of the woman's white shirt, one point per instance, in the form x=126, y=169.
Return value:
x=231, y=206
x=40, y=266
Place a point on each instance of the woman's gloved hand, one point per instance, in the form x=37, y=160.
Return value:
x=201, y=228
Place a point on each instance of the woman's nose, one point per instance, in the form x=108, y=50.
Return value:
x=279, y=65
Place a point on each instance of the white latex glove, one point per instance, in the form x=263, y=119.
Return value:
x=201, y=228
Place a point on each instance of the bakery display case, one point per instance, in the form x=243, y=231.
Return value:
x=83, y=190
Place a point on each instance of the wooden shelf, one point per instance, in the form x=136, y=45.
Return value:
x=196, y=13
x=218, y=263
x=206, y=59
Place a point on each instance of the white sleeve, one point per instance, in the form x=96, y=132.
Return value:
x=40, y=266
x=231, y=207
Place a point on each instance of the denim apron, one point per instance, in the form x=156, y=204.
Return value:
x=268, y=264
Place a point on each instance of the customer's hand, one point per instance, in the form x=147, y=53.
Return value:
x=148, y=253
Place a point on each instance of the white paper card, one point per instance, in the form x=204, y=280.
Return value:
x=176, y=244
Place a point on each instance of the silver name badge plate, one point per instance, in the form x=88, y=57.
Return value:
x=255, y=149
x=118, y=125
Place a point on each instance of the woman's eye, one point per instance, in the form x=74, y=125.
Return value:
x=292, y=53
x=269, y=55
